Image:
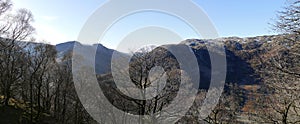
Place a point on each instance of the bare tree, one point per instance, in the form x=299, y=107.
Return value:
x=156, y=71
x=279, y=102
x=288, y=20
x=227, y=110
x=41, y=59
x=5, y=5
x=18, y=27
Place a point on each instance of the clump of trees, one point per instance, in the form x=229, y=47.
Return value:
x=30, y=77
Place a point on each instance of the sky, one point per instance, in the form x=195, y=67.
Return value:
x=58, y=21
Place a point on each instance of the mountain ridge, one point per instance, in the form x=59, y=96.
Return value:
x=240, y=53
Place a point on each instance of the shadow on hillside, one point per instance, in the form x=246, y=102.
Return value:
x=239, y=71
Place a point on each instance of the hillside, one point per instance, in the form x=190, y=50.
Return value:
x=255, y=66
x=249, y=62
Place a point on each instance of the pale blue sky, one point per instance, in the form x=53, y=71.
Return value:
x=59, y=21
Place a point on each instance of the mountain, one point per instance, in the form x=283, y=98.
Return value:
x=242, y=56
x=64, y=48
x=102, y=58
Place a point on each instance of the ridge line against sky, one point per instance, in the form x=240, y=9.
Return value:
x=59, y=21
